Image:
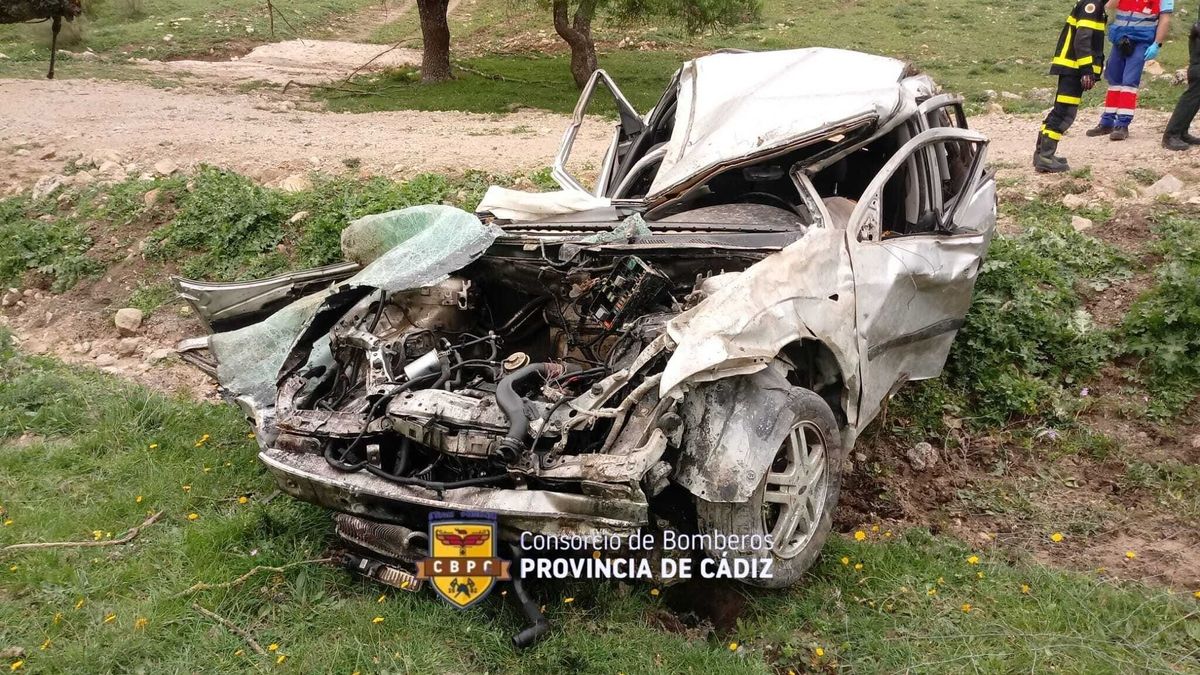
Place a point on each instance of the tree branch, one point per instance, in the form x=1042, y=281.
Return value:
x=124, y=539
x=233, y=628
x=202, y=586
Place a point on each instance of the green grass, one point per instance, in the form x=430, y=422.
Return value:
x=967, y=47
x=77, y=455
x=1162, y=328
x=123, y=28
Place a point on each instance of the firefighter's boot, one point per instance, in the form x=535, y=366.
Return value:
x=1045, y=161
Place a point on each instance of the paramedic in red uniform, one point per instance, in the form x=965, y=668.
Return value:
x=1078, y=58
x=1137, y=32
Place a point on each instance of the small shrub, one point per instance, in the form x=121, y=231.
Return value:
x=1162, y=328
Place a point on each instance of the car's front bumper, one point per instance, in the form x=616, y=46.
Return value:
x=310, y=478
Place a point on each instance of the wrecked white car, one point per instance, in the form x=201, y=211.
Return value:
x=693, y=341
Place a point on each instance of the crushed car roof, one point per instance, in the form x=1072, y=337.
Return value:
x=734, y=105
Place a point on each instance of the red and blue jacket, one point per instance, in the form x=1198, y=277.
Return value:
x=1138, y=19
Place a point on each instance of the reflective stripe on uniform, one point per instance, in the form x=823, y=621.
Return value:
x=1084, y=23
x=1069, y=100
x=1052, y=135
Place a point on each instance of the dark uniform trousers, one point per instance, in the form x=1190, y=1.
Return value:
x=1189, y=102
x=1066, y=106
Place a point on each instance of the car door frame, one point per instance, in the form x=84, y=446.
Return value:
x=629, y=124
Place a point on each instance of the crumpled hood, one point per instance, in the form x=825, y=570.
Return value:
x=729, y=104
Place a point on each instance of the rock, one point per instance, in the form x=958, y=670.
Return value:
x=922, y=456
x=103, y=155
x=159, y=355
x=1010, y=96
x=111, y=168
x=1196, y=442
x=297, y=182
x=1041, y=94
x=22, y=152
x=860, y=457
x=47, y=185
x=1081, y=224
x=106, y=360
x=1074, y=201
x=993, y=108
x=298, y=217
x=81, y=347
x=9, y=299
x=990, y=94
x=128, y=320
x=83, y=178
x=1167, y=185
x=128, y=346
x=151, y=197
x=165, y=167
x=1153, y=68
x=48, y=153
x=1179, y=77
x=3, y=56
x=9, y=653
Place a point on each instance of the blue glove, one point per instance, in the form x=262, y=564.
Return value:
x=1152, y=50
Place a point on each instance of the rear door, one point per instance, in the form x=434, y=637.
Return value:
x=913, y=288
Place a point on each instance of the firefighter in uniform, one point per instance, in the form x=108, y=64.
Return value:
x=1176, y=137
x=1137, y=32
x=1078, y=60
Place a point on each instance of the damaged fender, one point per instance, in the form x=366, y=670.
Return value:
x=735, y=426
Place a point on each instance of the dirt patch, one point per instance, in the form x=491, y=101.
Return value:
x=303, y=61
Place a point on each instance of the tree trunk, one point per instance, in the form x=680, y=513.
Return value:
x=577, y=33
x=435, y=35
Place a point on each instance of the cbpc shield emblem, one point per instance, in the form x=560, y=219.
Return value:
x=463, y=566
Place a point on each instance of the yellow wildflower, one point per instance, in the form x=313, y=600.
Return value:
x=272, y=647
x=16, y=665
x=97, y=535
x=14, y=568
x=239, y=652
x=79, y=603
x=874, y=528
x=567, y=601
x=1130, y=555
x=979, y=574
x=1196, y=595
x=888, y=533
x=1025, y=589
x=654, y=592
x=57, y=618
x=186, y=488
x=207, y=469
x=858, y=566
x=377, y=620
x=154, y=446
x=966, y=607
x=243, y=499
x=382, y=599
x=45, y=645
x=110, y=617
x=860, y=535
x=819, y=652
x=193, y=516
x=8, y=521
x=845, y=560
x=733, y=646
x=1056, y=537
x=250, y=435
x=140, y=623
x=931, y=592
x=281, y=658
x=137, y=499
x=973, y=560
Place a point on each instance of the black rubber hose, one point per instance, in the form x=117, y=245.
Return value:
x=539, y=625
x=513, y=405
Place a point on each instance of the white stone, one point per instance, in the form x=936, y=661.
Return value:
x=1073, y=201
x=1167, y=185
x=159, y=355
x=922, y=456
x=298, y=217
x=1080, y=223
x=128, y=346
x=151, y=197
x=46, y=185
x=128, y=320
x=1153, y=68
x=106, y=360
x=110, y=167
x=297, y=182
x=165, y=167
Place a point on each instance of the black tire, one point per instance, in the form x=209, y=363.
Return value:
x=762, y=514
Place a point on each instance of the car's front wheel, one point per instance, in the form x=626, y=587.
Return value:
x=792, y=507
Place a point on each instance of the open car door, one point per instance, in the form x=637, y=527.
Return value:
x=628, y=127
x=914, y=278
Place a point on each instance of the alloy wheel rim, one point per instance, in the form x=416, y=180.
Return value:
x=796, y=487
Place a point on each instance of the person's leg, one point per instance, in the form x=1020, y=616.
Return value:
x=1114, y=70
x=1131, y=79
x=1185, y=109
x=1066, y=105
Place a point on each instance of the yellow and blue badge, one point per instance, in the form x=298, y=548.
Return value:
x=462, y=563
